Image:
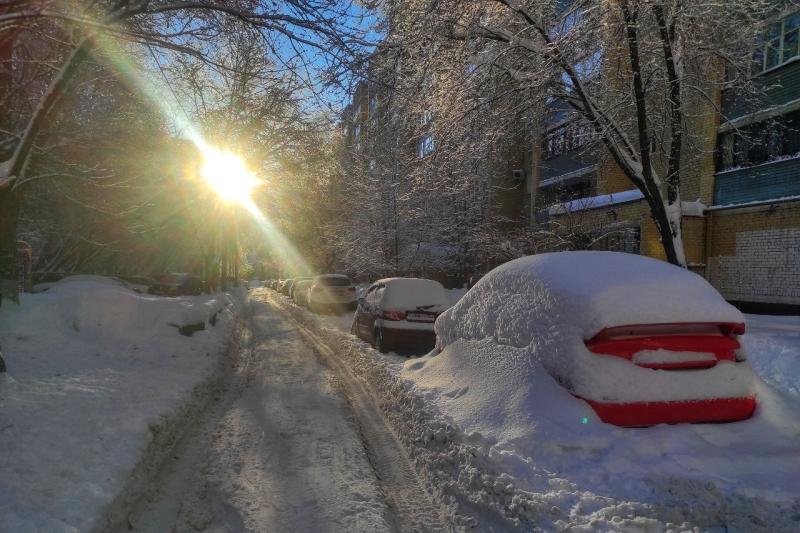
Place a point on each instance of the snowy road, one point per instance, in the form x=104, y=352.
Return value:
x=281, y=450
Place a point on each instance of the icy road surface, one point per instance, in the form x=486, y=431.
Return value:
x=281, y=450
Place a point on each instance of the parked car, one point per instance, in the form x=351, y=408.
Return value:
x=332, y=292
x=300, y=291
x=399, y=313
x=286, y=288
x=643, y=342
x=175, y=284
x=295, y=281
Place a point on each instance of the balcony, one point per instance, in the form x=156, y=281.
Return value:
x=781, y=88
x=768, y=181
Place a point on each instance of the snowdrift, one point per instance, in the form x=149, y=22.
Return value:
x=96, y=372
x=513, y=354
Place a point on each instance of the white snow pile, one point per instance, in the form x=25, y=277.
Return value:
x=98, y=377
x=773, y=350
x=542, y=456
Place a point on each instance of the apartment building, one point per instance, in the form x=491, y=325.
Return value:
x=740, y=187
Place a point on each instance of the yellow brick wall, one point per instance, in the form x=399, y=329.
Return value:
x=638, y=214
x=754, y=253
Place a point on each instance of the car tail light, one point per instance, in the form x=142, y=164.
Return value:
x=671, y=346
x=393, y=315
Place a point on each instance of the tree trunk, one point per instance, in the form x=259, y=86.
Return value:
x=9, y=209
x=668, y=222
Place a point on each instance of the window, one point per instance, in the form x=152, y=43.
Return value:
x=427, y=118
x=566, y=138
x=779, y=44
x=760, y=143
x=426, y=145
x=357, y=137
x=374, y=295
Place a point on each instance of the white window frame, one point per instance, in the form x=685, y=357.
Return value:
x=427, y=118
x=426, y=145
x=765, y=47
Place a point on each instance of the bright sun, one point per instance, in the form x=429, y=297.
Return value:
x=227, y=174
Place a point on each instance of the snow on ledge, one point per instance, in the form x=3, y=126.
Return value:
x=755, y=203
x=594, y=202
x=775, y=161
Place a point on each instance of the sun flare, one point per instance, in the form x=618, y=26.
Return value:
x=227, y=175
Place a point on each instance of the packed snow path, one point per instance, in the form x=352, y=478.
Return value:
x=280, y=450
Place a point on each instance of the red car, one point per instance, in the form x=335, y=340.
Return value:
x=680, y=347
x=643, y=342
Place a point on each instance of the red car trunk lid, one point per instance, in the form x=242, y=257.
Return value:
x=670, y=346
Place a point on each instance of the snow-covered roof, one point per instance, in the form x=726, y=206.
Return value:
x=587, y=290
x=593, y=202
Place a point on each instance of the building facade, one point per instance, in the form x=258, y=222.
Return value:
x=741, y=186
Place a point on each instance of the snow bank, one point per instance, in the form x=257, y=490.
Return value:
x=513, y=352
x=568, y=469
x=773, y=350
x=96, y=372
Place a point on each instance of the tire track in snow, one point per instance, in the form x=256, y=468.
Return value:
x=280, y=451
x=405, y=493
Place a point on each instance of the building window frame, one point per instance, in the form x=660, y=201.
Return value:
x=426, y=146
x=573, y=135
x=779, y=45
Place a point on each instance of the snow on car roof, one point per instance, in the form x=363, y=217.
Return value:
x=409, y=293
x=588, y=290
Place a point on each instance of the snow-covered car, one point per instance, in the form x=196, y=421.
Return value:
x=641, y=341
x=399, y=313
x=300, y=291
x=332, y=292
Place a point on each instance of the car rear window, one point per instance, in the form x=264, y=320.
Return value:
x=334, y=281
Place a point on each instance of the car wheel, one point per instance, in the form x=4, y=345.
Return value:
x=379, y=343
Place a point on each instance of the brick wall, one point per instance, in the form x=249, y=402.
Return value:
x=754, y=253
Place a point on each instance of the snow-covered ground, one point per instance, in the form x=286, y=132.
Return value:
x=96, y=374
x=278, y=450
x=511, y=448
x=773, y=350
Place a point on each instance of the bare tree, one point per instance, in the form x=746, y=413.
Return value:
x=635, y=70
x=323, y=36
